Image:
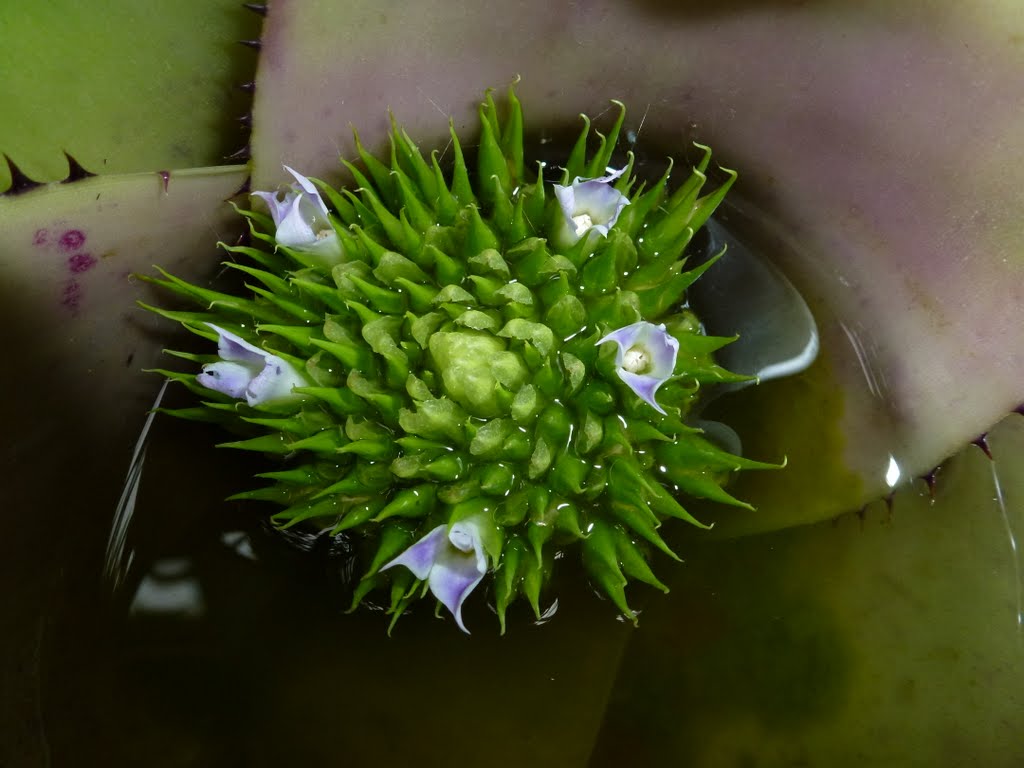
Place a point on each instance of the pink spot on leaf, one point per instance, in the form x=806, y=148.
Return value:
x=71, y=296
x=81, y=262
x=72, y=240
x=42, y=237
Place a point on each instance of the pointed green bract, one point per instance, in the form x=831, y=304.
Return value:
x=455, y=372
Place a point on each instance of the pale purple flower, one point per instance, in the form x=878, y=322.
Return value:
x=452, y=562
x=249, y=372
x=646, y=358
x=302, y=219
x=591, y=205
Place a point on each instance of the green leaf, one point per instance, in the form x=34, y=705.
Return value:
x=599, y=162
x=382, y=299
x=575, y=371
x=279, y=494
x=491, y=162
x=309, y=510
x=357, y=514
x=490, y=262
x=273, y=443
x=478, y=321
x=395, y=538
x=526, y=404
x=590, y=434
x=512, y=137
x=566, y=316
x=601, y=560
x=632, y=560
x=454, y=294
x=576, y=165
x=507, y=578
x=297, y=335
x=479, y=236
x=538, y=534
x=415, y=211
x=541, y=458
x=536, y=334
x=352, y=356
x=343, y=402
x=516, y=293
x=438, y=419
x=490, y=437
x=326, y=443
x=378, y=171
x=498, y=480
x=392, y=266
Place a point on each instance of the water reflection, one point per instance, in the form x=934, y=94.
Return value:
x=870, y=366
x=1012, y=520
x=171, y=589
x=240, y=543
x=117, y=560
x=745, y=294
x=893, y=473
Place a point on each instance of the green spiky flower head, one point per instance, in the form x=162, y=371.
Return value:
x=471, y=370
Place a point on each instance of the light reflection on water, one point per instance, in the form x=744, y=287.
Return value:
x=170, y=589
x=744, y=294
x=1012, y=520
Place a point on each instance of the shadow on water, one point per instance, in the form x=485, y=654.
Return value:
x=738, y=640
x=886, y=638
x=58, y=471
x=227, y=647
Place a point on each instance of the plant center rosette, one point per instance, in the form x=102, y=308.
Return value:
x=471, y=370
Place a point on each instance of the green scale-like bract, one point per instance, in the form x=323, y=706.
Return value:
x=455, y=369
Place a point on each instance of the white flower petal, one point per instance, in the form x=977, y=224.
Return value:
x=309, y=188
x=600, y=200
x=645, y=358
x=302, y=219
x=420, y=557
x=278, y=207
x=566, y=197
x=274, y=382
x=327, y=247
x=662, y=349
x=591, y=205
x=459, y=568
x=451, y=563
x=237, y=349
x=248, y=371
x=295, y=230
x=643, y=386
x=231, y=379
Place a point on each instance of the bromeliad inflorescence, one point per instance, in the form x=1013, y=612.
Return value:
x=470, y=371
